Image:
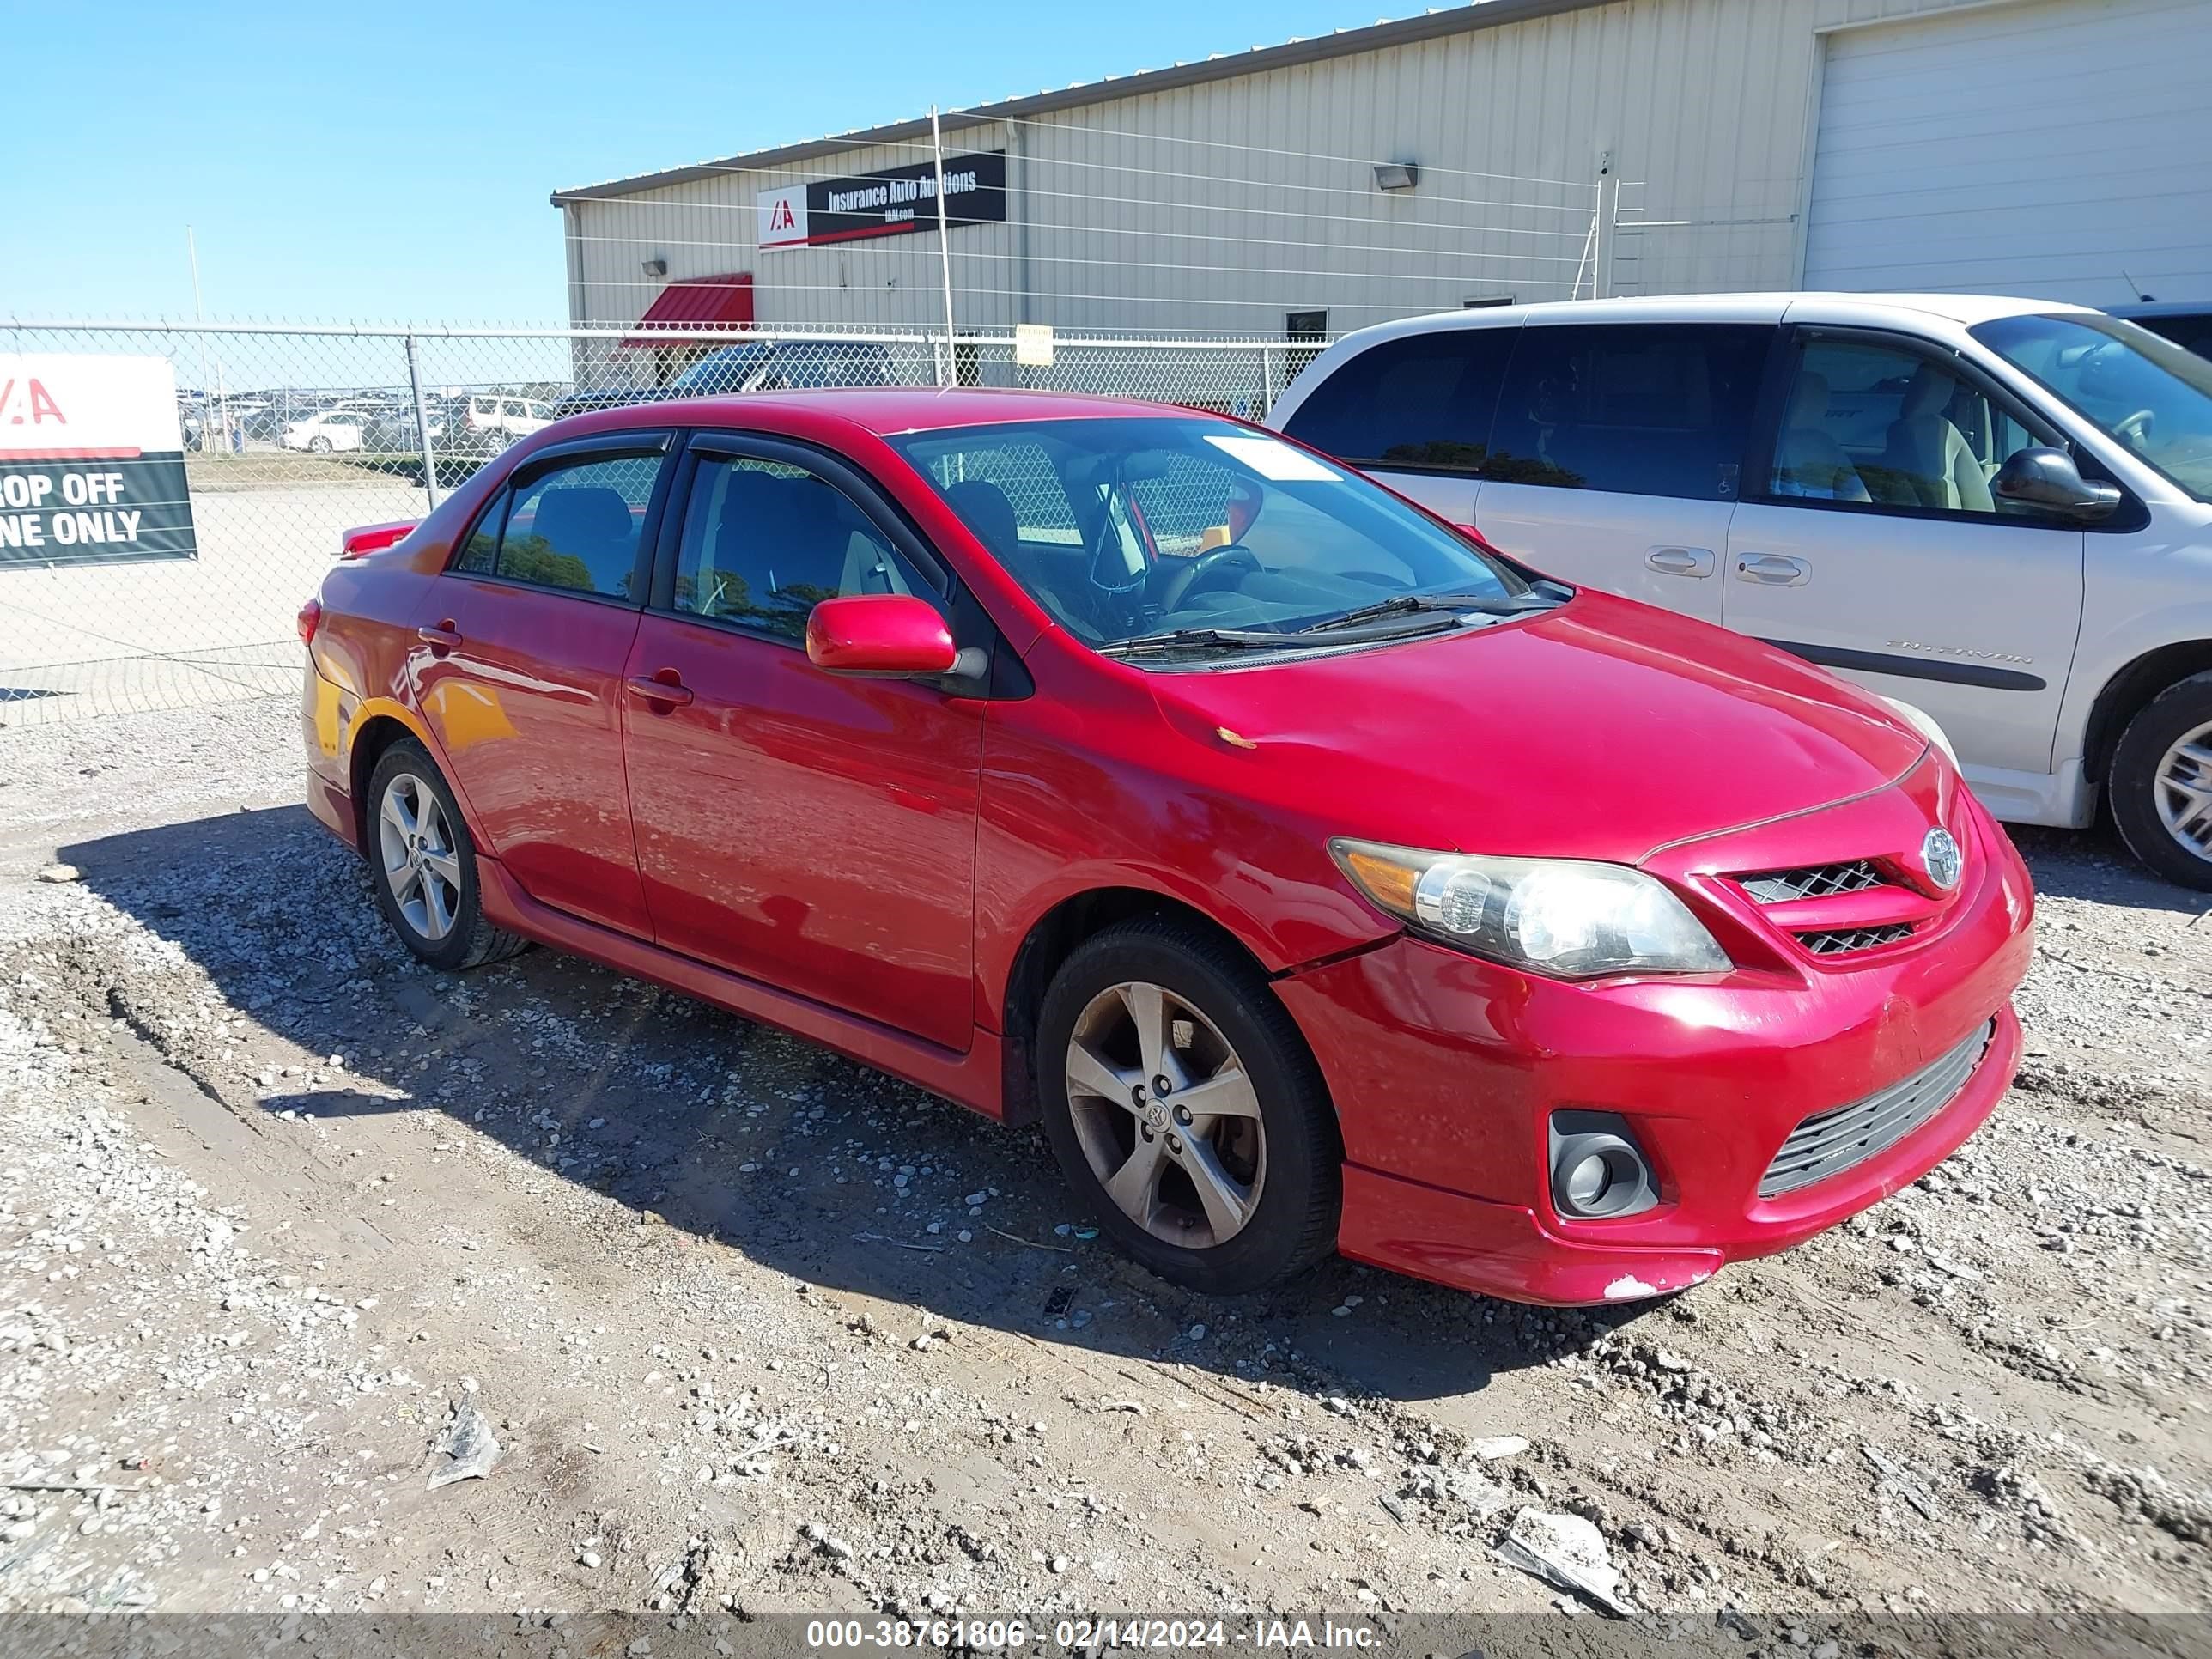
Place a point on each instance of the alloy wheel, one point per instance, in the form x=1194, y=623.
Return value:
x=1166, y=1115
x=422, y=866
x=2183, y=788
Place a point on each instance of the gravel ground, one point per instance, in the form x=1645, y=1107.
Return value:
x=286, y=1221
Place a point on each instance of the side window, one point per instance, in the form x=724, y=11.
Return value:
x=575, y=526
x=1886, y=425
x=1634, y=409
x=764, y=542
x=1422, y=400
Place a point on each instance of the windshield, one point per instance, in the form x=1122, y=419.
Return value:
x=2140, y=389
x=1137, y=529
x=725, y=370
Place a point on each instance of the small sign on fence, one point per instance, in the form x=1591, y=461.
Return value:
x=92, y=461
x=1033, y=345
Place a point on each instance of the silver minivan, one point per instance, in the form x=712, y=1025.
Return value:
x=1999, y=511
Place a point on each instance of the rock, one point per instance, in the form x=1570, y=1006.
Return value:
x=59, y=873
x=1481, y=1495
x=1567, y=1552
x=1493, y=1447
x=467, y=1449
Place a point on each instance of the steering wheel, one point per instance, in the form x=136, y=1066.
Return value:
x=1204, y=570
x=2136, y=429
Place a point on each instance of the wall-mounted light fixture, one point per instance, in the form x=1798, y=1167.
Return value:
x=655, y=267
x=1396, y=175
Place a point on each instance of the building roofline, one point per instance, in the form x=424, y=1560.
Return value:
x=1341, y=43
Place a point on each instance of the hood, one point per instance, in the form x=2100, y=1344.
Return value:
x=1603, y=730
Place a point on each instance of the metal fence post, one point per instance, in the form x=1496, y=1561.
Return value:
x=1266, y=379
x=422, y=424
x=951, y=371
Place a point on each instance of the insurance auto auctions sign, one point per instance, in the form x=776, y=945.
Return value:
x=885, y=204
x=92, y=464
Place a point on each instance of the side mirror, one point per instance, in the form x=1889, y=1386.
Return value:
x=880, y=636
x=2048, y=479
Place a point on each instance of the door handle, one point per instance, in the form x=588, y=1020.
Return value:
x=441, y=638
x=671, y=690
x=1773, y=570
x=1680, y=560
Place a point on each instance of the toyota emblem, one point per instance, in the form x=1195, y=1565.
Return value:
x=1939, y=857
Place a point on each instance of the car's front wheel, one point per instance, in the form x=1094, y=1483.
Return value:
x=2161, y=783
x=426, y=864
x=1185, y=1110
x=320, y=445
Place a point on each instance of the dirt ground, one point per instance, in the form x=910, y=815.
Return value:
x=755, y=1328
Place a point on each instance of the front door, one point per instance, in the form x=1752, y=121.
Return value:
x=1617, y=451
x=1874, y=544
x=528, y=634
x=810, y=830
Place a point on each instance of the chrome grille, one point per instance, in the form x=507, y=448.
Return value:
x=1812, y=881
x=1843, y=941
x=1830, y=1142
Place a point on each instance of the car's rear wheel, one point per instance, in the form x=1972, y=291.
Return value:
x=320, y=445
x=2161, y=783
x=1184, y=1108
x=426, y=866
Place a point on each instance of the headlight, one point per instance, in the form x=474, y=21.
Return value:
x=1566, y=918
x=1924, y=723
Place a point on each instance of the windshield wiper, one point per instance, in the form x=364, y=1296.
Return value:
x=1407, y=603
x=1183, y=639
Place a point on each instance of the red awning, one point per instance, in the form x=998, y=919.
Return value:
x=699, y=302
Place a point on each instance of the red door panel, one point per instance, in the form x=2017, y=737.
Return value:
x=527, y=705
x=812, y=831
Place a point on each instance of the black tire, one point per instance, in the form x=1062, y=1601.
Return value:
x=2132, y=783
x=470, y=941
x=318, y=445
x=1293, y=1222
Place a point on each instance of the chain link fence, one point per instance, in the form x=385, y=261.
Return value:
x=292, y=435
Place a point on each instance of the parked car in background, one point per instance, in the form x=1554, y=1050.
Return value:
x=773, y=366
x=1320, y=878
x=395, y=432
x=491, y=421
x=1999, y=510
x=2188, y=324
x=332, y=429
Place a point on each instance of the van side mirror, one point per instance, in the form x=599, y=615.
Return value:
x=2048, y=479
x=880, y=636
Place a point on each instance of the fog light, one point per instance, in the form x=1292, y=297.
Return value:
x=1598, y=1171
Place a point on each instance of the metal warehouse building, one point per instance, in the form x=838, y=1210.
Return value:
x=1519, y=150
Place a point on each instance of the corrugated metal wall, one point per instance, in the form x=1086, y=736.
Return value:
x=1219, y=208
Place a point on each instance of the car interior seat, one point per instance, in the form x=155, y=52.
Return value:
x=985, y=508
x=1808, y=460
x=732, y=563
x=1928, y=455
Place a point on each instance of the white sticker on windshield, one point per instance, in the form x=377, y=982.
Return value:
x=1274, y=459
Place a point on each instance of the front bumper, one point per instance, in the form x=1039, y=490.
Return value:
x=1446, y=1069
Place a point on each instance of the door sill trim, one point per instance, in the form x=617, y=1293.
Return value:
x=973, y=1079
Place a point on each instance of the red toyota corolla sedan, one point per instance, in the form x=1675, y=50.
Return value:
x=1320, y=878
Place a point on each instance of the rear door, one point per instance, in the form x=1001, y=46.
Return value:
x=1415, y=412
x=1617, y=453
x=812, y=830
x=1869, y=541
x=529, y=632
